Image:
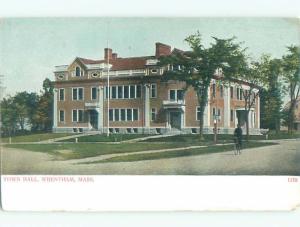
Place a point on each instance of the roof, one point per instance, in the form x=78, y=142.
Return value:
x=121, y=63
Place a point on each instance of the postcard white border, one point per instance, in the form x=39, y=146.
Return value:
x=150, y=193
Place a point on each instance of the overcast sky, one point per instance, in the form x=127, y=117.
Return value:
x=31, y=47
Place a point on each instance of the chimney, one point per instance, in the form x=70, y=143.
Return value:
x=114, y=56
x=162, y=50
x=107, y=53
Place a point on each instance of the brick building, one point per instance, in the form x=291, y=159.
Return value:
x=140, y=102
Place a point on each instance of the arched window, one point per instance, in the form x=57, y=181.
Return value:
x=77, y=71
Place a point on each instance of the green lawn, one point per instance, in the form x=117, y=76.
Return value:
x=105, y=138
x=83, y=150
x=178, y=153
x=222, y=138
x=35, y=137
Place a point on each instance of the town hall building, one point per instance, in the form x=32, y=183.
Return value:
x=139, y=101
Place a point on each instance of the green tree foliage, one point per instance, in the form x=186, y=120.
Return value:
x=44, y=111
x=196, y=68
x=28, y=111
x=271, y=95
x=291, y=76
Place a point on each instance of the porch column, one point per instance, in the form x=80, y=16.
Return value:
x=226, y=107
x=207, y=111
x=101, y=106
x=55, y=109
x=147, y=106
x=258, y=112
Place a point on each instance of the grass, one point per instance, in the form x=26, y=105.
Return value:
x=222, y=138
x=178, y=153
x=84, y=150
x=34, y=137
x=105, y=138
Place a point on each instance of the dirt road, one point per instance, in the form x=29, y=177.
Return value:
x=282, y=159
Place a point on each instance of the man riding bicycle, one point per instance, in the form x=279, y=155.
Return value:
x=238, y=136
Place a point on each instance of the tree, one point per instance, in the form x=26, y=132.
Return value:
x=291, y=76
x=8, y=117
x=44, y=111
x=25, y=106
x=271, y=95
x=196, y=68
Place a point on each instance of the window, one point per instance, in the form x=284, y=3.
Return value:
x=221, y=91
x=172, y=95
x=61, y=115
x=135, y=114
x=176, y=95
x=237, y=93
x=123, y=115
x=231, y=115
x=61, y=94
x=126, y=92
x=113, y=92
x=214, y=90
x=111, y=115
x=78, y=72
x=231, y=92
x=129, y=114
x=219, y=113
x=153, y=114
x=132, y=91
x=198, y=114
x=153, y=91
x=138, y=91
x=241, y=94
x=94, y=93
x=77, y=115
x=80, y=115
x=77, y=93
x=214, y=112
x=107, y=92
x=74, y=93
x=179, y=94
x=117, y=114
x=120, y=92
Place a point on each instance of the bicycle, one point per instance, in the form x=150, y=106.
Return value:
x=237, y=146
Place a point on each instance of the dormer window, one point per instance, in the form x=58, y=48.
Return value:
x=78, y=71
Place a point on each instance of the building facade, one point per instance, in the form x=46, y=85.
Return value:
x=139, y=101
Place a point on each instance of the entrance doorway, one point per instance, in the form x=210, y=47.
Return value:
x=175, y=120
x=241, y=117
x=94, y=119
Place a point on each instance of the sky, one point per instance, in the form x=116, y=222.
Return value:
x=31, y=47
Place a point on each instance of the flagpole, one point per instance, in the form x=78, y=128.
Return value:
x=108, y=90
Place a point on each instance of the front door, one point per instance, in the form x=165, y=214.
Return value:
x=94, y=119
x=175, y=120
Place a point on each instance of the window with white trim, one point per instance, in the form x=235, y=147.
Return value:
x=78, y=71
x=153, y=91
x=94, y=93
x=198, y=113
x=176, y=94
x=123, y=114
x=214, y=90
x=61, y=92
x=153, y=114
x=77, y=115
x=124, y=92
x=61, y=116
x=77, y=93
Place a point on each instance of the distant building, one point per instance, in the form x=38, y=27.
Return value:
x=297, y=114
x=139, y=101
